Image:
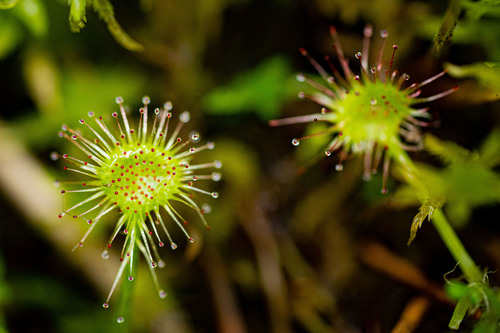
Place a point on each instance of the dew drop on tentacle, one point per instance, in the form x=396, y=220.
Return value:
x=339, y=167
x=295, y=142
x=358, y=55
x=215, y=195
x=185, y=117
x=167, y=106
x=206, y=208
x=173, y=246
x=131, y=278
x=162, y=294
x=161, y=263
x=216, y=176
x=54, y=156
x=120, y=320
x=105, y=254
x=300, y=77
x=384, y=33
x=105, y=305
x=195, y=137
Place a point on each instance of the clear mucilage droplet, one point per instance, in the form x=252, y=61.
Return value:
x=105, y=254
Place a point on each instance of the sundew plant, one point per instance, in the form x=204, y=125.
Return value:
x=139, y=171
x=369, y=113
x=337, y=170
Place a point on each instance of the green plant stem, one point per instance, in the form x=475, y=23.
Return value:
x=456, y=248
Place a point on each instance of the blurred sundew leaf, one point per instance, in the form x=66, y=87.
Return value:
x=7, y=4
x=487, y=76
x=262, y=90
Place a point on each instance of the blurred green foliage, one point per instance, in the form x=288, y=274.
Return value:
x=278, y=240
x=262, y=90
x=467, y=180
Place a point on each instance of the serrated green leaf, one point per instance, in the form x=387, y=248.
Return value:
x=77, y=16
x=425, y=211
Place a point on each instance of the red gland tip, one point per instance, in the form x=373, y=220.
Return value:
x=303, y=51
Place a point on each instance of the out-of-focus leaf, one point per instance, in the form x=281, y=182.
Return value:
x=5, y=294
x=466, y=182
x=10, y=36
x=459, y=313
x=493, y=64
x=105, y=11
x=82, y=89
x=471, y=297
x=42, y=78
x=77, y=16
x=487, y=76
x=313, y=148
x=6, y=4
x=448, y=152
x=476, y=9
x=33, y=15
x=489, y=152
x=262, y=90
x=448, y=26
